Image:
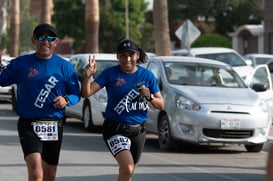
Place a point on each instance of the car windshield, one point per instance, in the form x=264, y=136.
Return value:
x=202, y=75
x=228, y=58
x=80, y=63
x=262, y=60
x=101, y=65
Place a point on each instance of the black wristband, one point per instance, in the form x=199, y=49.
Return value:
x=66, y=99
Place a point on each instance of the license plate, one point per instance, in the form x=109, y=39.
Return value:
x=230, y=124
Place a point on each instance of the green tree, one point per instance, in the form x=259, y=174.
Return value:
x=147, y=40
x=69, y=19
x=222, y=16
x=113, y=24
x=27, y=22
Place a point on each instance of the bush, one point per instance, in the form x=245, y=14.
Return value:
x=212, y=40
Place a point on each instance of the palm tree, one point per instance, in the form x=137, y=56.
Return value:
x=14, y=28
x=161, y=28
x=46, y=11
x=92, y=26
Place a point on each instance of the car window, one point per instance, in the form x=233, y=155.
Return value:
x=228, y=58
x=270, y=66
x=74, y=61
x=260, y=77
x=202, y=75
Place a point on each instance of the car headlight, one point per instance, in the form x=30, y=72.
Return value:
x=184, y=103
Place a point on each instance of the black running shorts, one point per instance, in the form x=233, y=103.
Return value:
x=31, y=143
x=119, y=138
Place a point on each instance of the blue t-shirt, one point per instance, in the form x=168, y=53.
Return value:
x=124, y=104
x=39, y=82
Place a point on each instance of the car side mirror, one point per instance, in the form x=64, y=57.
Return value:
x=259, y=87
x=248, y=62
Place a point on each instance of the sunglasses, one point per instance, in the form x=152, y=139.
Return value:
x=44, y=37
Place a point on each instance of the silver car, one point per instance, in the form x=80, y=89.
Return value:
x=255, y=59
x=207, y=102
x=90, y=110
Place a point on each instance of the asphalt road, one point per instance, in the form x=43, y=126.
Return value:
x=84, y=157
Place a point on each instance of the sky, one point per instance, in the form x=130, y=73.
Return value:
x=150, y=4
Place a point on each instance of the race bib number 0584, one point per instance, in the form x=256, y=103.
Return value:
x=46, y=130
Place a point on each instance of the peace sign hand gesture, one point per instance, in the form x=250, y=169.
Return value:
x=91, y=67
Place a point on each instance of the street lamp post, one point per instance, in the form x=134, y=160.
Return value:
x=127, y=18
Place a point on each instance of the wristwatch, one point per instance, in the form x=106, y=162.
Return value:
x=151, y=98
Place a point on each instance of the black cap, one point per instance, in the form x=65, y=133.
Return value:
x=44, y=27
x=127, y=45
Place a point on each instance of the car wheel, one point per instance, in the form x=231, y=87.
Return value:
x=254, y=148
x=166, y=142
x=87, y=117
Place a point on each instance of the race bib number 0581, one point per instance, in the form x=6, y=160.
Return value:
x=46, y=130
x=118, y=143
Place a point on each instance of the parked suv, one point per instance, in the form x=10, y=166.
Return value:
x=226, y=55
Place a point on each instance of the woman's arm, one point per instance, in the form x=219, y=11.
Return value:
x=88, y=88
x=156, y=100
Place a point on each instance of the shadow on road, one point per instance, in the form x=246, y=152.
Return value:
x=76, y=126
x=74, y=130
x=165, y=176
